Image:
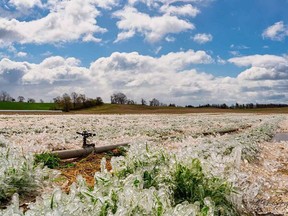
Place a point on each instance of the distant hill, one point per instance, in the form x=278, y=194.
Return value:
x=139, y=109
x=135, y=109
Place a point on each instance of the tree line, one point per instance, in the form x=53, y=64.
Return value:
x=121, y=98
x=75, y=101
x=239, y=106
x=5, y=97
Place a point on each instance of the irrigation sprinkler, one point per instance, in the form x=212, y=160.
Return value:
x=85, y=135
x=86, y=148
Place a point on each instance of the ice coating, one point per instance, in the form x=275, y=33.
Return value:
x=227, y=155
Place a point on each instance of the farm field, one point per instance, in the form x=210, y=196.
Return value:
x=139, y=109
x=25, y=106
x=230, y=157
x=129, y=109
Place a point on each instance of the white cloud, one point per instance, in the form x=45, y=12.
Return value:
x=240, y=47
x=278, y=31
x=258, y=60
x=185, y=10
x=91, y=38
x=124, y=35
x=155, y=3
x=235, y=53
x=47, y=53
x=21, y=54
x=220, y=60
x=152, y=28
x=180, y=60
x=56, y=69
x=25, y=4
x=170, y=39
x=133, y=73
x=12, y=72
x=172, y=78
x=106, y=4
x=67, y=21
x=145, y=76
x=202, y=38
x=262, y=67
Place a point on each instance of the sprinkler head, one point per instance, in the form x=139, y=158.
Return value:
x=85, y=135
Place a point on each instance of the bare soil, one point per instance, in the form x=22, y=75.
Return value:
x=270, y=171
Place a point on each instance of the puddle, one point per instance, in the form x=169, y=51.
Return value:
x=280, y=137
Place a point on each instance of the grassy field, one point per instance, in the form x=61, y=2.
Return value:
x=136, y=109
x=25, y=106
x=139, y=109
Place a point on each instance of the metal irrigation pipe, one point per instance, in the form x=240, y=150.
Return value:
x=86, y=148
x=66, y=154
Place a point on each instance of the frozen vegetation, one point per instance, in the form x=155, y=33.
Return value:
x=176, y=164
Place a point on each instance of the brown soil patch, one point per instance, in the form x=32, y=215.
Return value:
x=86, y=167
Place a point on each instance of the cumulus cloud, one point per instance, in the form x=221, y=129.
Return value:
x=56, y=69
x=90, y=37
x=148, y=76
x=202, y=38
x=153, y=28
x=259, y=60
x=50, y=70
x=185, y=10
x=25, y=4
x=156, y=3
x=106, y=4
x=262, y=67
x=278, y=31
x=172, y=78
x=12, y=72
x=135, y=74
x=66, y=21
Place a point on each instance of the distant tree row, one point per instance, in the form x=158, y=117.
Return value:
x=75, y=101
x=240, y=106
x=121, y=98
x=5, y=97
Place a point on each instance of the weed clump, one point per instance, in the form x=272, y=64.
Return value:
x=190, y=184
x=47, y=159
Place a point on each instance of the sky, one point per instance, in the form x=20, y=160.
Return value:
x=187, y=52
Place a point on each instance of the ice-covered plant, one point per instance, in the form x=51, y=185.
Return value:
x=18, y=174
x=148, y=181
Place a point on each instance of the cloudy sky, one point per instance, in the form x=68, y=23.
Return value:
x=178, y=51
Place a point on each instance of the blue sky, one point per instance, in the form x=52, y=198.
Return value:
x=183, y=52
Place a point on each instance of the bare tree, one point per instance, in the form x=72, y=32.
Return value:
x=74, y=97
x=118, y=98
x=31, y=100
x=63, y=102
x=57, y=100
x=131, y=102
x=82, y=98
x=143, y=102
x=154, y=102
x=99, y=101
x=4, y=96
x=66, y=102
x=21, y=99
